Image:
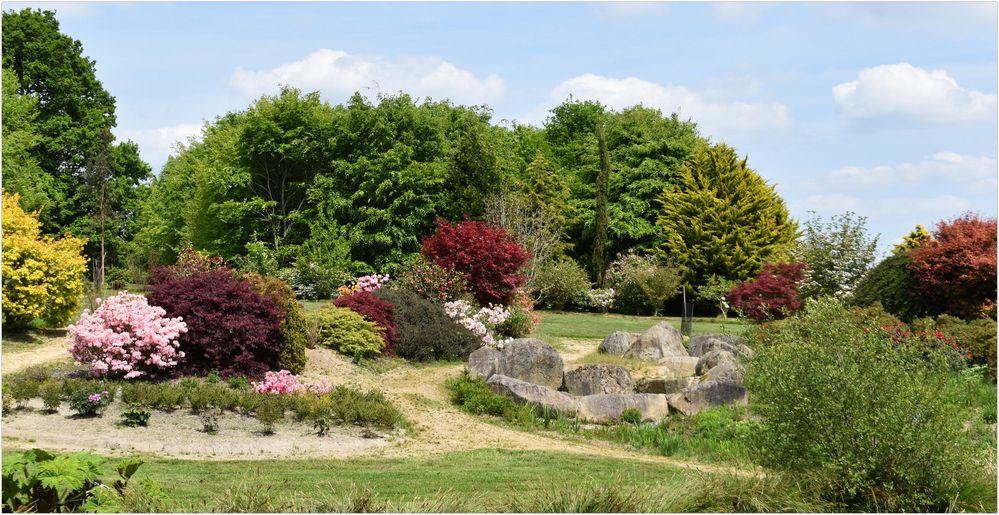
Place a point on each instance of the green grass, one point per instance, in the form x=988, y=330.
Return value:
x=557, y=325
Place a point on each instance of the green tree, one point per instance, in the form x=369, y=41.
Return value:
x=838, y=253
x=911, y=241
x=73, y=107
x=722, y=218
x=21, y=172
x=600, y=224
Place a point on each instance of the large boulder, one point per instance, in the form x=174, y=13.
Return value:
x=664, y=385
x=533, y=361
x=484, y=362
x=598, y=378
x=618, y=343
x=659, y=341
x=727, y=371
x=522, y=391
x=678, y=366
x=706, y=395
x=701, y=345
x=606, y=409
x=713, y=359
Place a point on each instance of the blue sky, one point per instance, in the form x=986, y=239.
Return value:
x=885, y=109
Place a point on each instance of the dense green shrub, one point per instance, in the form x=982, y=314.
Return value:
x=977, y=337
x=474, y=396
x=135, y=416
x=425, y=331
x=891, y=284
x=518, y=325
x=864, y=415
x=642, y=283
x=559, y=283
x=294, y=327
x=430, y=281
x=50, y=392
x=346, y=332
x=88, y=403
x=374, y=309
x=270, y=412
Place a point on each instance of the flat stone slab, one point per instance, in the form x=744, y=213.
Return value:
x=679, y=366
x=607, y=409
x=706, y=395
x=664, y=385
x=522, y=391
x=598, y=378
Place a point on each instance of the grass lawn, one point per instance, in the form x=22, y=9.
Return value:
x=480, y=478
x=557, y=325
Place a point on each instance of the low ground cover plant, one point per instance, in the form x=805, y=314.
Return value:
x=346, y=332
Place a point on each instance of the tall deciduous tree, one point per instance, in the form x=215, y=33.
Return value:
x=838, y=253
x=21, y=172
x=73, y=106
x=601, y=220
x=722, y=218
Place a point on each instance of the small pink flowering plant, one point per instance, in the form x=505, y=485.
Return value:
x=88, y=403
x=126, y=336
x=286, y=383
x=482, y=323
x=371, y=282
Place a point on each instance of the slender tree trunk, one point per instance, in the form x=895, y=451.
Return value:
x=601, y=223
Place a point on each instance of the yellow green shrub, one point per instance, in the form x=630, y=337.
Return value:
x=42, y=276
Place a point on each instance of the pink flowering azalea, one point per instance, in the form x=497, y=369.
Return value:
x=482, y=322
x=285, y=383
x=128, y=337
x=371, y=282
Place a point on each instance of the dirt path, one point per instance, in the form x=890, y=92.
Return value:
x=51, y=350
x=418, y=391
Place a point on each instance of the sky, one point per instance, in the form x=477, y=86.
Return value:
x=888, y=110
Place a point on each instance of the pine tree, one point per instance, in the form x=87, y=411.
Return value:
x=600, y=229
x=723, y=219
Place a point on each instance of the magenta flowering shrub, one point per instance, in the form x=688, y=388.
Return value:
x=286, y=383
x=372, y=282
x=125, y=336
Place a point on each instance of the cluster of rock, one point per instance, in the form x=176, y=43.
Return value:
x=531, y=371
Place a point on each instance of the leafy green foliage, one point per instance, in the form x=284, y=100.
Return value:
x=425, y=331
x=39, y=481
x=891, y=284
x=561, y=282
x=294, y=327
x=838, y=253
x=346, y=332
x=867, y=418
x=269, y=412
x=642, y=283
x=50, y=392
x=631, y=416
x=135, y=416
x=722, y=218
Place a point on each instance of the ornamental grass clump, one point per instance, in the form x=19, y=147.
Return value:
x=127, y=337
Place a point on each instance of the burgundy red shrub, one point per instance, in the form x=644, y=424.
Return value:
x=374, y=309
x=230, y=327
x=772, y=295
x=488, y=258
x=957, y=267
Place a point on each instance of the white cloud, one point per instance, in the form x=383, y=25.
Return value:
x=905, y=93
x=337, y=73
x=711, y=113
x=975, y=173
x=903, y=208
x=156, y=144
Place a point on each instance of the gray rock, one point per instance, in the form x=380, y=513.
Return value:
x=659, y=341
x=533, y=361
x=604, y=409
x=713, y=359
x=484, y=362
x=618, y=343
x=728, y=371
x=664, y=385
x=678, y=366
x=701, y=345
x=522, y=391
x=598, y=378
x=706, y=395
